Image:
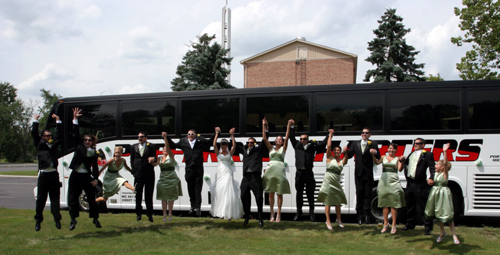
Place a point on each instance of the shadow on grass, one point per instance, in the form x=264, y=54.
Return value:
x=447, y=245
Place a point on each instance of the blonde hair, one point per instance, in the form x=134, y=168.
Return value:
x=119, y=148
x=447, y=165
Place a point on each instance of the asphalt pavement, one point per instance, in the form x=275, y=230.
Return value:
x=17, y=192
x=18, y=167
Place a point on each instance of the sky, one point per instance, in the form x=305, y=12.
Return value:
x=107, y=47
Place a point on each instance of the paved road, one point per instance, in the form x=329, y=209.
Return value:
x=18, y=167
x=17, y=192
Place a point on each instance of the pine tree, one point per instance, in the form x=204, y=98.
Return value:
x=203, y=67
x=395, y=60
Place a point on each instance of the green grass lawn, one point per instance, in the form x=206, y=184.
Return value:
x=24, y=172
x=122, y=234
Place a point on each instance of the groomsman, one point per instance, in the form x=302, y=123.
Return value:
x=141, y=156
x=417, y=185
x=252, y=180
x=305, y=151
x=363, y=173
x=48, y=177
x=193, y=148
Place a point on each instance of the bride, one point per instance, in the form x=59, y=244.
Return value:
x=226, y=202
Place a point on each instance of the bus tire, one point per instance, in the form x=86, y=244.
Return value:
x=457, y=207
x=376, y=213
x=83, y=201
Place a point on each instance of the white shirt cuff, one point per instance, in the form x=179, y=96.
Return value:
x=75, y=122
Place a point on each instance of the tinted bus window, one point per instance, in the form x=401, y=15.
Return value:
x=97, y=119
x=349, y=112
x=204, y=115
x=150, y=117
x=441, y=110
x=277, y=110
x=484, y=108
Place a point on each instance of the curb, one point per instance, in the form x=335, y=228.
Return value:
x=18, y=176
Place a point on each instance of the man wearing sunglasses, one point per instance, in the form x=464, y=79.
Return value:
x=363, y=173
x=193, y=147
x=48, y=178
x=141, y=156
x=417, y=185
x=305, y=151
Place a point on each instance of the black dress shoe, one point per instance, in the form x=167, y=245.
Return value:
x=139, y=217
x=38, y=226
x=427, y=233
x=297, y=217
x=408, y=227
x=150, y=218
x=246, y=221
x=97, y=223
x=360, y=220
x=191, y=212
x=312, y=217
x=198, y=212
x=261, y=222
x=72, y=224
x=367, y=220
x=58, y=224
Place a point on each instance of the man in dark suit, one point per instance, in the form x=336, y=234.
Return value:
x=252, y=180
x=48, y=177
x=141, y=156
x=305, y=151
x=193, y=147
x=363, y=173
x=84, y=174
x=417, y=185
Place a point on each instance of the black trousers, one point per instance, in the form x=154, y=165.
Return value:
x=48, y=185
x=145, y=185
x=77, y=183
x=194, y=179
x=305, y=178
x=364, y=186
x=416, y=199
x=251, y=182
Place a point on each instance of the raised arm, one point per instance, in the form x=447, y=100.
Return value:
x=287, y=136
x=264, y=137
x=329, y=144
x=293, y=140
x=217, y=131
x=445, y=160
x=34, y=130
x=77, y=112
x=233, y=147
x=58, y=130
x=376, y=160
x=345, y=151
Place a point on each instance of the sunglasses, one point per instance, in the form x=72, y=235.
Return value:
x=87, y=140
x=365, y=133
x=141, y=136
x=250, y=142
x=47, y=135
x=191, y=134
x=303, y=139
x=419, y=143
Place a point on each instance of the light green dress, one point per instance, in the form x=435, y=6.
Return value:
x=168, y=187
x=113, y=181
x=389, y=190
x=440, y=202
x=331, y=192
x=274, y=178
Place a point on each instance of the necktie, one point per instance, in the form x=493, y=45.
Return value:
x=363, y=146
x=141, y=150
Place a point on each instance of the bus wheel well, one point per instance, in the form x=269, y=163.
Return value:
x=458, y=199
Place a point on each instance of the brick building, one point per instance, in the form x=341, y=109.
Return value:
x=298, y=63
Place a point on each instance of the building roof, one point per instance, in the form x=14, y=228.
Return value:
x=303, y=41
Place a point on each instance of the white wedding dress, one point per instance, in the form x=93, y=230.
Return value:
x=226, y=201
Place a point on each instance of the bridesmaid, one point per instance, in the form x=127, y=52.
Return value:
x=389, y=190
x=331, y=192
x=113, y=181
x=168, y=187
x=274, y=178
x=440, y=202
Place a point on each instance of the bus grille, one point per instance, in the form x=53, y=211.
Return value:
x=486, y=191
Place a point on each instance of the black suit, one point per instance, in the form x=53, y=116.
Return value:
x=252, y=172
x=304, y=162
x=417, y=190
x=194, y=165
x=82, y=181
x=48, y=182
x=144, y=176
x=363, y=174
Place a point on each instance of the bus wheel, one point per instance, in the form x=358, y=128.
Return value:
x=376, y=213
x=83, y=201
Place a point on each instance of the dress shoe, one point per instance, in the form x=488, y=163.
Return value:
x=408, y=227
x=191, y=212
x=97, y=223
x=261, y=222
x=312, y=217
x=246, y=221
x=360, y=221
x=38, y=226
x=150, y=218
x=427, y=233
x=297, y=217
x=198, y=212
x=139, y=217
x=72, y=224
x=367, y=220
x=58, y=224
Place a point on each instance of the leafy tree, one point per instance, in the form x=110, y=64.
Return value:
x=48, y=101
x=481, y=21
x=394, y=59
x=434, y=78
x=10, y=108
x=203, y=67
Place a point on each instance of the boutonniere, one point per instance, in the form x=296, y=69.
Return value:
x=97, y=152
x=313, y=141
x=147, y=144
x=198, y=135
x=369, y=143
x=50, y=141
x=423, y=152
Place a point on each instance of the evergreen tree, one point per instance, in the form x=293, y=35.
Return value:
x=395, y=60
x=203, y=67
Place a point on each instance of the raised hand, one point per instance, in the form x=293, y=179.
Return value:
x=55, y=117
x=446, y=147
x=37, y=116
x=331, y=131
x=231, y=131
x=77, y=112
x=164, y=135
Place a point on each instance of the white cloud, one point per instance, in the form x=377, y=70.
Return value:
x=138, y=88
x=91, y=11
